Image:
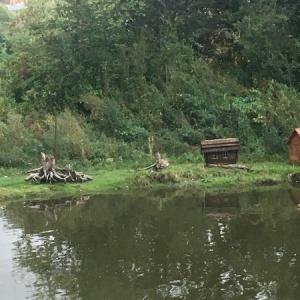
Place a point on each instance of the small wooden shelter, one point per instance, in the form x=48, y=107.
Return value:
x=220, y=151
x=294, y=144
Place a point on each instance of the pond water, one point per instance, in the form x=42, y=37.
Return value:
x=170, y=244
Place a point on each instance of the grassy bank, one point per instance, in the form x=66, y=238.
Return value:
x=13, y=186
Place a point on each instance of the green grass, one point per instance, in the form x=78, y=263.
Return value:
x=195, y=175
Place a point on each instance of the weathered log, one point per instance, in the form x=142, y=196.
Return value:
x=230, y=166
x=50, y=173
x=159, y=164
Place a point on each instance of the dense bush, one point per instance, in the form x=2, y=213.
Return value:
x=18, y=145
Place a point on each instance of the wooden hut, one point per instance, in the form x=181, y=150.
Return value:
x=220, y=151
x=294, y=144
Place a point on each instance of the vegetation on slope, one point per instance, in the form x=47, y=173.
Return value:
x=94, y=80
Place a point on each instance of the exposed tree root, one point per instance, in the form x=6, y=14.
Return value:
x=49, y=173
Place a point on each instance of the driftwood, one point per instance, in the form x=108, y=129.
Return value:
x=50, y=173
x=159, y=164
x=230, y=166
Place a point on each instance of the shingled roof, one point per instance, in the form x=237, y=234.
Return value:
x=219, y=145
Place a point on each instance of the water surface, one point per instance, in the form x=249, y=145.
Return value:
x=171, y=244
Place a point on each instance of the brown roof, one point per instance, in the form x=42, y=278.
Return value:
x=219, y=145
x=296, y=131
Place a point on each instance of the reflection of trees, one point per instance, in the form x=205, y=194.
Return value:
x=162, y=246
x=43, y=250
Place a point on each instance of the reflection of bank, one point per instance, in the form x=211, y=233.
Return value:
x=295, y=196
x=50, y=215
x=53, y=208
x=221, y=206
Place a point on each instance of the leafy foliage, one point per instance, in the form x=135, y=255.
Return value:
x=118, y=72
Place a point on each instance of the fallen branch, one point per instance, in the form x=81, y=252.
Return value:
x=150, y=167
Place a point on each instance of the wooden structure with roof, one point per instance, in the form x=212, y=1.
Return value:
x=220, y=151
x=294, y=144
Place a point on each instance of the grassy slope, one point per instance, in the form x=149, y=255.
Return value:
x=13, y=186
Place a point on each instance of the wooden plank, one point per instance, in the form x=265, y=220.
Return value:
x=220, y=141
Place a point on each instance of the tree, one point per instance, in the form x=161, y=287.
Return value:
x=267, y=43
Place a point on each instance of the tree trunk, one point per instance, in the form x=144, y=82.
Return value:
x=55, y=135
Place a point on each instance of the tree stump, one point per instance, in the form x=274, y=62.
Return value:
x=50, y=173
x=159, y=164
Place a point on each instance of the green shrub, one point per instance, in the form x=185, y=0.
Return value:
x=73, y=136
x=19, y=148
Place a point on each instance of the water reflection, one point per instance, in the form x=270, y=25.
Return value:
x=168, y=244
x=221, y=206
